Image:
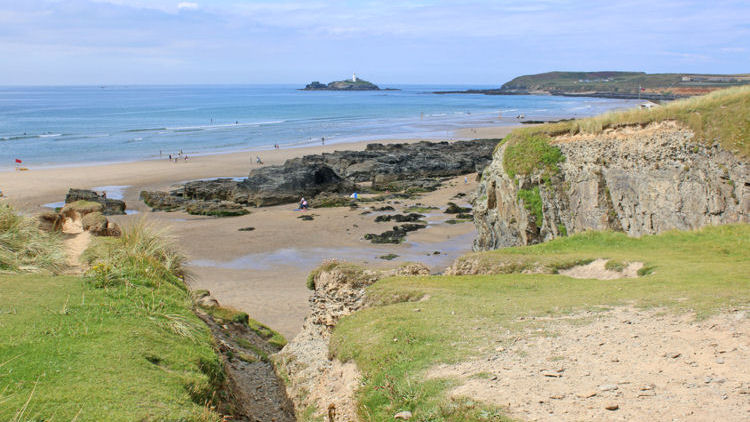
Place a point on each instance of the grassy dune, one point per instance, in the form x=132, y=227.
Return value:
x=120, y=343
x=699, y=272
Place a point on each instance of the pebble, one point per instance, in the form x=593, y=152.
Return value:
x=607, y=387
x=405, y=415
x=720, y=361
x=552, y=374
x=612, y=406
x=674, y=355
x=587, y=394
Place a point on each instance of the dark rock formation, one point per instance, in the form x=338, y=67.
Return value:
x=397, y=235
x=331, y=177
x=215, y=208
x=400, y=218
x=162, y=201
x=272, y=185
x=109, y=206
x=455, y=209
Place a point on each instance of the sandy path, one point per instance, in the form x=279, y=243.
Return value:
x=75, y=242
x=621, y=365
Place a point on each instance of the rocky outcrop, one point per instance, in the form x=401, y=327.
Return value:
x=635, y=180
x=109, y=206
x=314, y=379
x=393, y=167
x=345, y=85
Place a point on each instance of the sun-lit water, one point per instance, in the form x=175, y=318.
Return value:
x=46, y=126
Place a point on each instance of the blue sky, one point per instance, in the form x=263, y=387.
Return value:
x=465, y=42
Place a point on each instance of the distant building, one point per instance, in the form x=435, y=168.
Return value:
x=354, y=77
x=686, y=79
x=649, y=105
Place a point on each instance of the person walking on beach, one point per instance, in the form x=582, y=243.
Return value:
x=323, y=140
x=258, y=161
x=170, y=157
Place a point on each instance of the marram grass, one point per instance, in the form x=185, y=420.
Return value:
x=24, y=247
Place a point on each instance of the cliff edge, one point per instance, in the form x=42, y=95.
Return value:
x=682, y=166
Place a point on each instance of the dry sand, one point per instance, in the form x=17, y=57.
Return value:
x=263, y=271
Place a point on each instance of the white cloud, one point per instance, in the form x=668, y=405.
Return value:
x=187, y=5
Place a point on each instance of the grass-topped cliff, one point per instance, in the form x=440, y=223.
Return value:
x=610, y=84
x=120, y=342
x=721, y=116
x=424, y=322
x=623, y=82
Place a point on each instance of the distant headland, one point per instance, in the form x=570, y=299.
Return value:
x=353, y=84
x=627, y=85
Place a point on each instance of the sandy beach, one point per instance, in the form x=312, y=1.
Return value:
x=263, y=271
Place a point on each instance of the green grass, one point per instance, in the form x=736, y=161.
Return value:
x=23, y=247
x=613, y=265
x=528, y=152
x=722, y=116
x=532, y=201
x=80, y=352
x=121, y=342
x=699, y=272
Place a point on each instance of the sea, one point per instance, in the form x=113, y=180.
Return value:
x=73, y=125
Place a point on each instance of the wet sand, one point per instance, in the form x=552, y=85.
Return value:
x=261, y=272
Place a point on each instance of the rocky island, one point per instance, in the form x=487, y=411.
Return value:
x=353, y=84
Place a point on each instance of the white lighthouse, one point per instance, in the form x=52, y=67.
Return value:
x=354, y=77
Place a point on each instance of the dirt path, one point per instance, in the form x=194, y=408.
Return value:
x=625, y=364
x=75, y=243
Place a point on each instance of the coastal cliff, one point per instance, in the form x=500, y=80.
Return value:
x=638, y=179
x=608, y=84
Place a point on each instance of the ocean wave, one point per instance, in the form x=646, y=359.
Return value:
x=50, y=135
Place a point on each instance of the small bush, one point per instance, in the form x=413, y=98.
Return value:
x=613, y=265
x=646, y=270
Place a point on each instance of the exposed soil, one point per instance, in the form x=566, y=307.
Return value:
x=624, y=364
x=256, y=393
x=598, y=270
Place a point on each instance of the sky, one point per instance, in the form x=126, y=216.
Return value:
x=482, y=42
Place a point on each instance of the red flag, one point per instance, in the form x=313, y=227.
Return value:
x=18, y=161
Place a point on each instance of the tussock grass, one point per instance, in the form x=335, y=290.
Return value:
x=700, y=272
x=24, y=247
x=144, y=254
